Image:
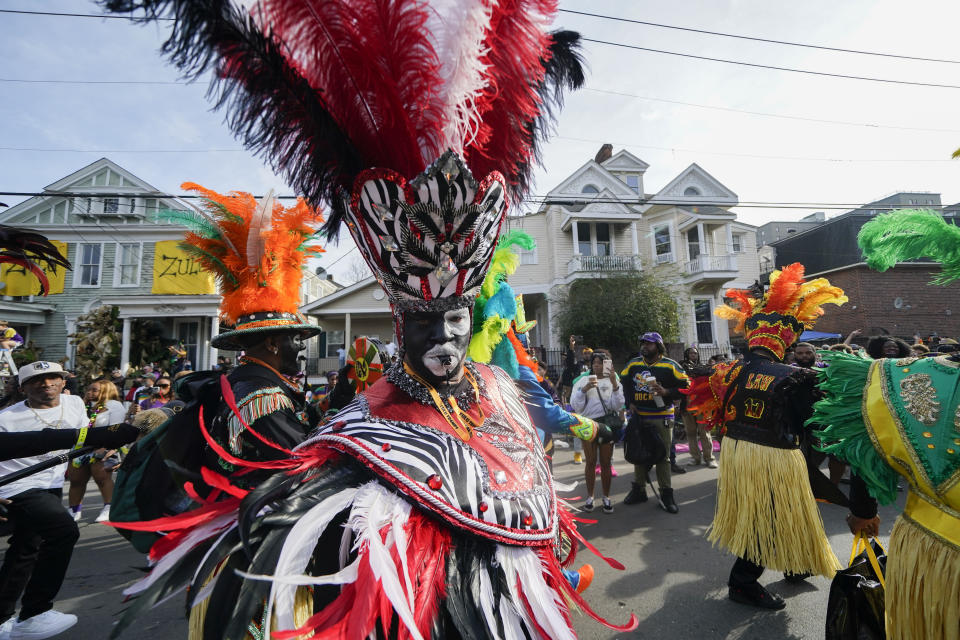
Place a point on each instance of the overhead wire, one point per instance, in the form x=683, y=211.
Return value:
x=757, y=39
x=757, y=65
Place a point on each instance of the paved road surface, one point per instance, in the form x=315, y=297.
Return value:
x=674, y=581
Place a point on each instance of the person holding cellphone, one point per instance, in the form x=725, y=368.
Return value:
x=596, y=396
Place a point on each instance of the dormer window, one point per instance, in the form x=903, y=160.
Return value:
x=590, y=189
x=691, y=192
x=633, y=182
x=111, y=205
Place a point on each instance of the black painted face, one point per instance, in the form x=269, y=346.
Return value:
x=435, y=344
x=291, y=344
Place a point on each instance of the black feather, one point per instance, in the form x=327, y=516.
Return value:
x=469, y=557
x=230, y=544
x=175, y=579
x=563, y=71
x=253, y=594
x=268, y=104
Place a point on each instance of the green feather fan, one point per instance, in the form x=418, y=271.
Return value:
x=909, y=234
x=195, y=222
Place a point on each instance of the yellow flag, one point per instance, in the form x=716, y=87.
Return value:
x=18, y=281
x=175, y=272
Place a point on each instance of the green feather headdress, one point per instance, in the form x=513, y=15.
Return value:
x=909, y=234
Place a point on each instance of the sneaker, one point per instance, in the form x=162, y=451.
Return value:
x=560, y=443
x=43, y=625
x=76, y=514
x=607, y=507
x=7, y=627
x=104, y=514
x=588, y=505
x=577, y=457
x=796, y=578
x=695, y=462
x=613, y=472
x=677, y=468
x=712, y=464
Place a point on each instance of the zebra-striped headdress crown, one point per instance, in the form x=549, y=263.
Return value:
x=429, y=242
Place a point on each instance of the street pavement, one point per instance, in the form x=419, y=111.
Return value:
x=674, y=581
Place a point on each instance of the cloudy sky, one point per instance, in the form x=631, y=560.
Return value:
x=807, y=139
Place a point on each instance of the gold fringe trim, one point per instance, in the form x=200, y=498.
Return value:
x=923, y=585
x=766, y=512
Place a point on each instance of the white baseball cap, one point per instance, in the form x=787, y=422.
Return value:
x=40, y=368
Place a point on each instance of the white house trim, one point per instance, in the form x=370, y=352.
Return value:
x=117, y=266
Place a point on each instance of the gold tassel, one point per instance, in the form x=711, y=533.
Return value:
x=923, y=584
x=766, y=512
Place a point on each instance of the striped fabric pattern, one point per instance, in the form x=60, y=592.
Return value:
x=416, y=452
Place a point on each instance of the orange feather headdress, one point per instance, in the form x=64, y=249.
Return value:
x=257, y=251
x=775, y=319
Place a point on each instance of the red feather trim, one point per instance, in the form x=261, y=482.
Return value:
x=569, y=527
x=375, y=70
x=559, y=582
x=517, y=48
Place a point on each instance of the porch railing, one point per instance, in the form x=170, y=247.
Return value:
x=706, y=264
x=603, y=263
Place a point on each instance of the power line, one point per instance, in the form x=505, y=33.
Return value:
x=768, y=114
x=755, y=39
x=542, y=198
x=139, y=82
x=604, y=42
x=573, y=139
x=123, y=150
x=104, y=16
x=772, y=67
x=74, y=15
x=753, y=155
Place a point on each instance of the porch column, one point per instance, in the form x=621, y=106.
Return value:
x=125, y=346
x=214, y=332
x=729, y=250
x=703, y=240
x=634, y=243
x=346, y=332
x=576, y=240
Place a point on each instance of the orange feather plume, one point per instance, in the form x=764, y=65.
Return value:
x=272, y=283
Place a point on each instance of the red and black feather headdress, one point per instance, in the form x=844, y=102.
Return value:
x=324, y=89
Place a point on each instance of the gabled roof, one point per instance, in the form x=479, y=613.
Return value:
x=75, y=180
x=81, y=181
x=712, y=191
x=319, y=303
x=623, y=160
x=596, y=175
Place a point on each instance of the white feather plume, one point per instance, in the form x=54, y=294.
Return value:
x=167, y=562
x=260, y=224
x=373, y=509
x=296, y=552
x=525, y=578
x=458, y=28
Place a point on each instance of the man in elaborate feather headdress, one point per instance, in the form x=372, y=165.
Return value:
x=899, y=418
x=766, y=513
x=424, y=508
x=257, y=251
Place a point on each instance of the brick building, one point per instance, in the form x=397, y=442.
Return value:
x=900, y=301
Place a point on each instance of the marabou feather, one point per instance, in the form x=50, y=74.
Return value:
x=912, y=234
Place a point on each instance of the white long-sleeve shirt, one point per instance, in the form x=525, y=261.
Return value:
x=71, y=414
x=589, y=404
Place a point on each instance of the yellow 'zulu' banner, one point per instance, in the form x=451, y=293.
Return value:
x=175, y=272
x=20, y=282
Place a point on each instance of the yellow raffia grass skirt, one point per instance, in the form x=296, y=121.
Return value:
x=923, y=584
x=766, y=512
